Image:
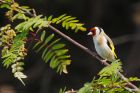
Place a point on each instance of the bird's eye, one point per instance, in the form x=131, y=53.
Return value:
x=93, y=30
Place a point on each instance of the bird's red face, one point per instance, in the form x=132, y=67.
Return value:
x=93, y=31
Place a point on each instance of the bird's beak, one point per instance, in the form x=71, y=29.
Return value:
x=90, y=33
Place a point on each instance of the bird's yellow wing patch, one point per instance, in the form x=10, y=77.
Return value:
x=110, y=44
x=113, y=50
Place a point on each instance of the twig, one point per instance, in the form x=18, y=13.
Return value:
x=13, y=1
x=2, y=1
x=93, y=54
x=34, y=12
x=136, y=89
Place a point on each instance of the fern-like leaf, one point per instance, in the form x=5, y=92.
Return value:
x=111, y=69
x=34, y=22
x=68, y=22
x=54, y=52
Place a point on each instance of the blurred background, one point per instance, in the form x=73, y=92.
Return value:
x=119, y=18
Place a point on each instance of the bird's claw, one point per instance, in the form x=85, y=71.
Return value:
x=103, y=61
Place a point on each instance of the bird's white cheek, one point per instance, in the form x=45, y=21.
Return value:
x=90, y=33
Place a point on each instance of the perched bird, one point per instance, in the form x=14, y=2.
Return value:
x=103, y=44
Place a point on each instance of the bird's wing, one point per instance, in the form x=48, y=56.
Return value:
x=111, y=45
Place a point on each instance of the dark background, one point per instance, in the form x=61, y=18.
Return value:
x=119, y=18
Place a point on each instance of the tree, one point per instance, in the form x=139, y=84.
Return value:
x=32, y=28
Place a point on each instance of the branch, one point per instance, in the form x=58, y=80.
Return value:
x=93, y=54
x=1, y=1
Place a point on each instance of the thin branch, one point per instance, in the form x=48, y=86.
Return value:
x=93, y=54
x=136, y=89
x=13, y=1
x=34, y=12
x=1, y=1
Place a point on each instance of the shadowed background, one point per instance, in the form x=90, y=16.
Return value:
x=119, y=18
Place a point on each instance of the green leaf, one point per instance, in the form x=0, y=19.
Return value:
x=62, y=16
x=9, y=60
x=49, y=18
x=54, y=62
x=37, y=44
x=54, y=20
x=38, y=23
x=5, y=6
x=86, y=89
x=48, y=56
x=112, y=69
x=59, y=19
x=43, y=35
x=105, y=81
x=46, y=42
x=64, y=24
x=20, y=26
x=67, y=26
x=133, y=79
x=66, y=17
x=82, y=29
x=32, y=22
x=61, y=52
x=20, y=16
x=54, y=52
x=58, y=46
x=65, y=64
x=73, y=21
x=70, y=19
x=64, y=57
x=69, y=22
x=25, y=7
x=73, y=26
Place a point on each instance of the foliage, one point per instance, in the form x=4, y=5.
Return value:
x=13, y=40
x=32, y=28
x=13, y=51
x=112, y=69
x=67, y=22
x=54, y=52
x=108, y=81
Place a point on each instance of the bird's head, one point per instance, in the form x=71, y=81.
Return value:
x=95, y=31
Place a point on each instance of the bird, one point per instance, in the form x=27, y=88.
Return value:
x=103, y=44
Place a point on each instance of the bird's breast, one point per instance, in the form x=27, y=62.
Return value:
x=100, y=40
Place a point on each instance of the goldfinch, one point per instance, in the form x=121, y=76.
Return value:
x=103, y=44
